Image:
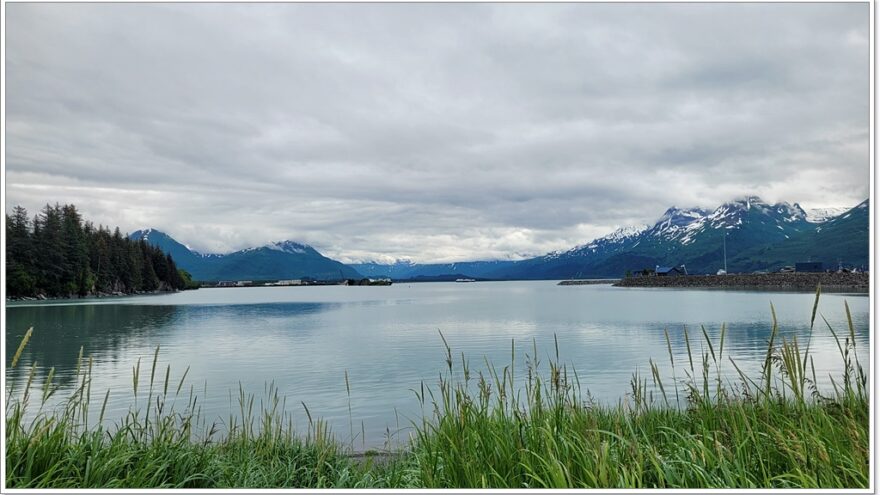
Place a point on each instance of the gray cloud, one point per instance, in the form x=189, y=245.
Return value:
x=430, y=131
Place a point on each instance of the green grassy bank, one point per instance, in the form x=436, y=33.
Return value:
x=772, y=430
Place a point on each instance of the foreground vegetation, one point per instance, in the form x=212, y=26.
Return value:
x=774, y=430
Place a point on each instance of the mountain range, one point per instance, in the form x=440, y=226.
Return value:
x=755, y=235
x=274, y=261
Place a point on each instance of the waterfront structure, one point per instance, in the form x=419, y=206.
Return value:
x=668, y=271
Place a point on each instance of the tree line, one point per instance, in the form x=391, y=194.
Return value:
x=57, y=254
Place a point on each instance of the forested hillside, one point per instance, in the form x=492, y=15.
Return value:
x=58, y=254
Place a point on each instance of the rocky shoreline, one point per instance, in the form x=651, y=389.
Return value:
x=99, y=295
x=855, y=282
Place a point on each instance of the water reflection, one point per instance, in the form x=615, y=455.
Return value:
x=107, y=332
x=387, y=339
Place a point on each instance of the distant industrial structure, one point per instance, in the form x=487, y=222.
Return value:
x=234, y=283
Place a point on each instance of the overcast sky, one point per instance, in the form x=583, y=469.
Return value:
x=437, y=132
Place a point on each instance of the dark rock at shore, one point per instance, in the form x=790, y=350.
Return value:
x=788, y=281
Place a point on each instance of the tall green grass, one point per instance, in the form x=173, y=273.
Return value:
x=159, y=443
x=774, y=431
x=480, y=429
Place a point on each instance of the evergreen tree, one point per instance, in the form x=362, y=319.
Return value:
x=58, y=254
x=75, y=275
x=19, y=255
x=150, y=279
x=49, y=251
x=136, y=262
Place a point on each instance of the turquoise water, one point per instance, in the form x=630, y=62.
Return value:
x=304, y=339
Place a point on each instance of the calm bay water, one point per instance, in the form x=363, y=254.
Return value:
x=304, y=339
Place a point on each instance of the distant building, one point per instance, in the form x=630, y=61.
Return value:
x=244, y=283
x=289, y=282
x=808, y=267
x=226, y=283
x=668, y=271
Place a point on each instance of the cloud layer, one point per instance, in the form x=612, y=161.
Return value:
x=437, y=132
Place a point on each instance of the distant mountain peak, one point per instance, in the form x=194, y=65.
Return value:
x=144, y=234
x=752, y=201
x=792, y=213
x=617, y=237
x=678, y=223
x=749, y=200
x=686, y=226
x=624, y=232
x=675, y=210
x=281, y=259
x=738, y=206
x=730, y=214
x=680, y=216
x=289, y=246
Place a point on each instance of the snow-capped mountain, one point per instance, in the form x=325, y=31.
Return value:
x=288, y=247
x=756, y=234
x=272, y=261
x=679, y=224
x=842, y=239
x=687, y=226
x=695, y=237
x=617, y=239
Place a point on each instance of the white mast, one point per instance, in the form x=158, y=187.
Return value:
x=725, y=250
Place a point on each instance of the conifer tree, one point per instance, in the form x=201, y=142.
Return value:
x=58, y=254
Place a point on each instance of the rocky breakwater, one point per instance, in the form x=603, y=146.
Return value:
x=859, y=282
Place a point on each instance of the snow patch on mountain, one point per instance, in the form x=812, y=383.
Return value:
x=287, y=247
x=141, y=234
x=624, y=233
x=685, y=225
x=618, y=236
x=792, y=213
x=821, y=215
x=679, y=224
